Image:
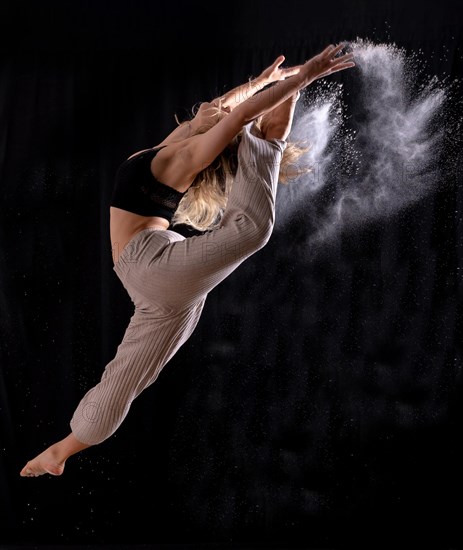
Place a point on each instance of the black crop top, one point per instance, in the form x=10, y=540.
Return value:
x=138, y=191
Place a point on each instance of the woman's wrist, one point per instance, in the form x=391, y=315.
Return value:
x=303, y=79
x=256, y=85
x=262, y=81
x=245, y=91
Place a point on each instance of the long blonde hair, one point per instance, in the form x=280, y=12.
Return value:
x=203, y=204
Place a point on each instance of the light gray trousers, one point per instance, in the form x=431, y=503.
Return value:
x=168, y=277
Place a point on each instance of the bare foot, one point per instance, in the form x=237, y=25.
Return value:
x=52, y=460
x=48, y=462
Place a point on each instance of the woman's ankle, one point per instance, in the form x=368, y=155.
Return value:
x=67, y=447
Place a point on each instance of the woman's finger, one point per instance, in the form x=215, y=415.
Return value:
x=342, y=66
x=337, y=49
x=336, y=68
x=327, y=50
x=347, y=56
x=343, y=58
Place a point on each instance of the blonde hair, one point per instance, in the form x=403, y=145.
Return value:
x=203, y=204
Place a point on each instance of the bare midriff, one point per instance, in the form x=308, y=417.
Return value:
x=125, y=225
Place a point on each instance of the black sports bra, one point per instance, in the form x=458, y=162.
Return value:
x=138, y=191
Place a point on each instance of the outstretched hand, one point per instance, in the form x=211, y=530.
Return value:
x=326, y=62
x=274, y=72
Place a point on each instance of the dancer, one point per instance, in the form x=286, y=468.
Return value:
x=219, y=174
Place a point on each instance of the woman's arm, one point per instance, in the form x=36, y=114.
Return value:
x=200, y=150
x=273, y=73
x=237, y=95
x=323, y=64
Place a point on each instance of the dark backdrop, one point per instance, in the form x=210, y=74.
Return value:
x=318, y=403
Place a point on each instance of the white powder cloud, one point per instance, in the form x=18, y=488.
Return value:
x=378, y=142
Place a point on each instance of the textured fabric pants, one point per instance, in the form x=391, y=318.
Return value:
x=168, y=277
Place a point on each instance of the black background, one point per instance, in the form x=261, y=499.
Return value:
x=317, y=403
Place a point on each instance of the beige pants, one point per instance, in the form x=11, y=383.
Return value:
x=168, y=277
